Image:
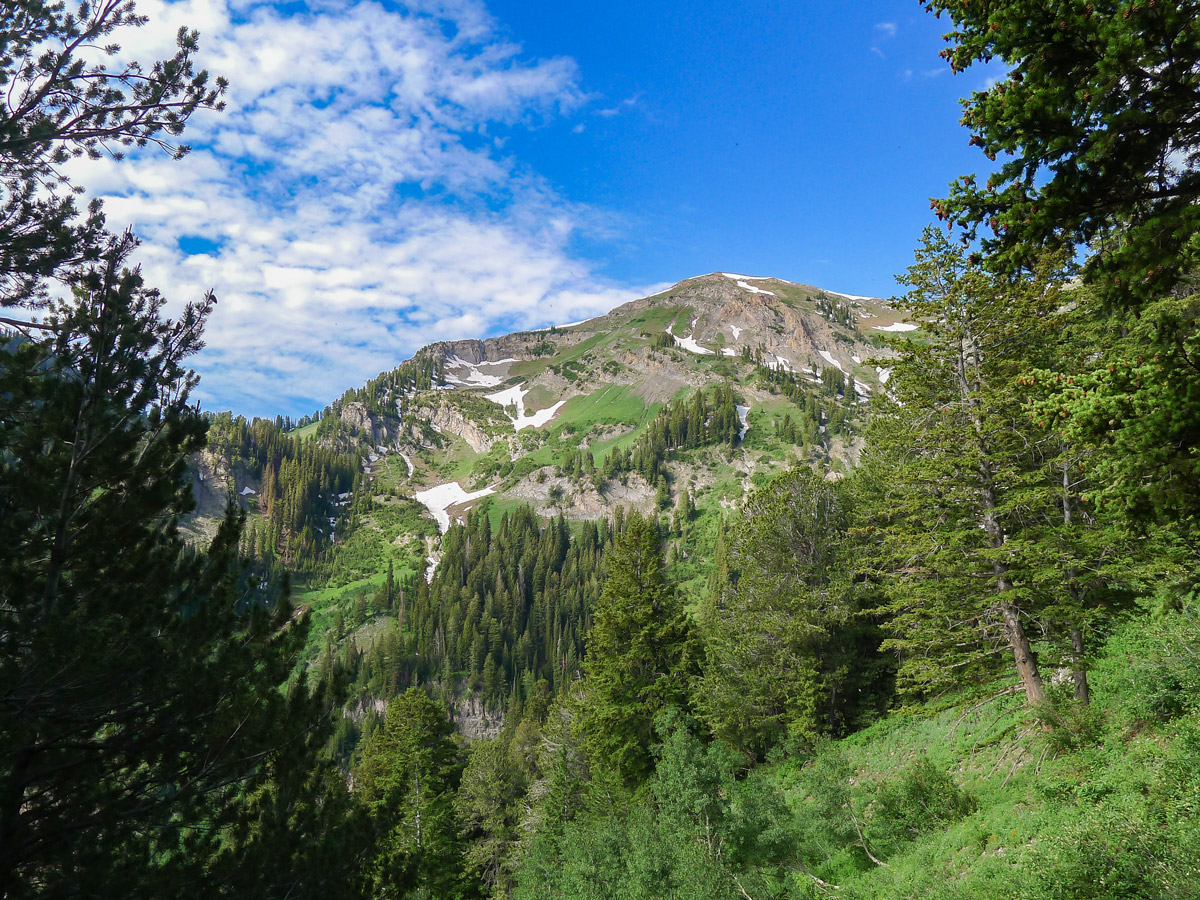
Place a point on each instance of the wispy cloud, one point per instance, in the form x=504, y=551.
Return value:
x=624, y=105
x=887, y=29
x=353, y=203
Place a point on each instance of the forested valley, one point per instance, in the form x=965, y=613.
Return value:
x=963, y=665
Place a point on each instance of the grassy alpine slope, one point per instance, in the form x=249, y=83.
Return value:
x=980, y=798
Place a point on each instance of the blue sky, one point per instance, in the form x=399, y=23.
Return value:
x=388, y=175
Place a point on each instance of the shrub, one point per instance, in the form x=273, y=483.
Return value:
x=923, y=799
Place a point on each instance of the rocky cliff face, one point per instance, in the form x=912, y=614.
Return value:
x=473, y=721
x=376, y=431
x=450, y=420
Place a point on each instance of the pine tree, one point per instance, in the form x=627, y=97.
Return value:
x=63, y=101
x=945, y=454
x=789, y=653
x=641, y=653
x=408, y=777
x=119, y=644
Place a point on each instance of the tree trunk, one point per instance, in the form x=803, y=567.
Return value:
x=1027, y=668
x=1014, y=631
x=1082, y=694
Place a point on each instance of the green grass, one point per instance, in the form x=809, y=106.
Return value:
x=303, y=434
x=653, y=320
x=1096, y=802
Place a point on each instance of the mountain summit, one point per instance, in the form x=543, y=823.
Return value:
x=705, y=390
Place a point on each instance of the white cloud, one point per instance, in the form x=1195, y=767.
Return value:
x=627, y=103
x=888, y=29
x=354, y=200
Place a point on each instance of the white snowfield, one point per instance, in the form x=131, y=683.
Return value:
x=851, y=296
x=884, y=375
x=407, y=459
x=737, y=332
x=474, y=377
x=897, y=326
x=689, y=343
x=736, y=277
x=729, y=351
x=857, y=359
x=430, y=568
x=743, y=413
x=745, y=286
x=515, y=396
x=246, y=492
x=439, y=499
x=780, y=363
x=828, y=357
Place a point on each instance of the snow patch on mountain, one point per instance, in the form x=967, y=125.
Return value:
x=828, y=357
x=689, y=343
x=743, y=414
x=515, y=396
x=745, y=286
x=897, y=326
x=474, y=377
x=439, y=499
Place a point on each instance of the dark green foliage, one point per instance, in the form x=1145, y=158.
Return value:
x=508, y=608
x=700, y=831
x=790, y=652
x=985, y=537
x=487, y=806
x=641, y=655
x=300, y=483
x=1096, y=121
x=140, y=710
x=407, y=777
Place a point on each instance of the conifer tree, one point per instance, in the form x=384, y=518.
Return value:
x=408, y=777
x=789, y=653
x=947, y=451
x=1097, y=121
x=641, y=653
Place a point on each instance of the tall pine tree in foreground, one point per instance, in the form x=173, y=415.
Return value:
x=1097, y=125
x=946, y=450
x=140, y=703
x=146, y=746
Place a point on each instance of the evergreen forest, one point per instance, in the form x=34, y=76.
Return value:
x=965, y=666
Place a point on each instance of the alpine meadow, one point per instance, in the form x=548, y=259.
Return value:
x=740, y=588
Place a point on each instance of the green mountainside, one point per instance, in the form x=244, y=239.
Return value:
x=675, y=405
